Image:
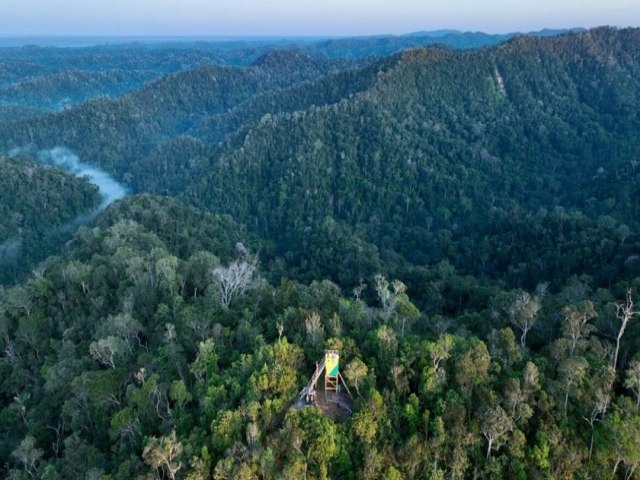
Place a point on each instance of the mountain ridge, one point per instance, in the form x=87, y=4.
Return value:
x=461, y=225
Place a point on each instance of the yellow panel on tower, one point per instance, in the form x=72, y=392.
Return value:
x=331, y=363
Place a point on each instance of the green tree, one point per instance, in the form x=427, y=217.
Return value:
x=355, y=371
x=495, y=424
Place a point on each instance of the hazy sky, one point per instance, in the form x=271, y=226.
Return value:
x=304, y=17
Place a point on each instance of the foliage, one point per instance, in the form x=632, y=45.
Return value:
x=38, y=205
x=468, y=244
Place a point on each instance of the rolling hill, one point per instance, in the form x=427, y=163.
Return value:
x=461, y=225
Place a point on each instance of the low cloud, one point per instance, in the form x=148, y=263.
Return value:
x=110, y=189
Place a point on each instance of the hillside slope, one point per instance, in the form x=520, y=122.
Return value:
x=36, y=202
x=116, y=132
x=122, y=349
x=64, y=90
x=425, y=155
x=446, y=149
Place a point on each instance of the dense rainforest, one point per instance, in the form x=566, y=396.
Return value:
x=36, y=79
x=461, y=224
x=38, y=207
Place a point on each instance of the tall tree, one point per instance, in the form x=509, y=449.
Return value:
x=522, y=311
x=495, y=424
x=164, y=454
x=625, y=313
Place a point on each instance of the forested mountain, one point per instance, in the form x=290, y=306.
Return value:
x=380, y=46
x=461, y=225
x=55, y=78
x=462, y=156
x=38, y=79
x=458, y=156
x=383, y=45
x=28, y=61
x=117, y=132
x=36, y=202
x=63, y=90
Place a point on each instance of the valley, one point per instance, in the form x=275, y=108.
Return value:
x=186, y=229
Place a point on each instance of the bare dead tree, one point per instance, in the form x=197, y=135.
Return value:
x=624, y=312
x=233, y=281
x=163, y=454
x=106, y=350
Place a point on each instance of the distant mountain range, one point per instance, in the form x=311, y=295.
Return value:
x=61, y=41
x=546, y=32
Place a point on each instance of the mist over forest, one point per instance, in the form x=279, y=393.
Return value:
x=192, y=229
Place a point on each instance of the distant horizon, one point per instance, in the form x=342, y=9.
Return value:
x=50, y=40
x=311, y=36
x=271, y=35
x=312, y=18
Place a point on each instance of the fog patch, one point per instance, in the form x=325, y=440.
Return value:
x=12, y=250
x=110, y=189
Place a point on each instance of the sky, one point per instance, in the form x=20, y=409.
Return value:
x=303, y=17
